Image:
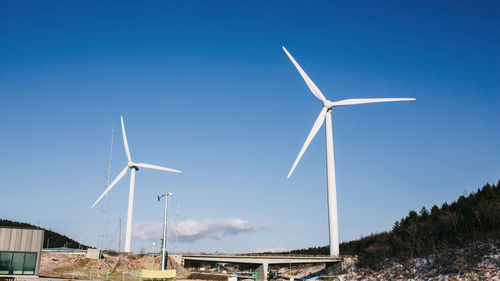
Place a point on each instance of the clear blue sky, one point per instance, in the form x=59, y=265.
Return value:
x=205, y=87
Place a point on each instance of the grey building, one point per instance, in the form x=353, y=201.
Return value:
x=20, y=251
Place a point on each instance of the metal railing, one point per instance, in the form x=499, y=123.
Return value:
x=263, y=255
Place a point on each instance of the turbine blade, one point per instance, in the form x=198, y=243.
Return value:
x=125, y=143
x=306, y=78
x=119, y=177
x=362, y=101
x=314, y=130
x=149, y=166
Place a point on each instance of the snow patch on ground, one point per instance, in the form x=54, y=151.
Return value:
x=453, y=265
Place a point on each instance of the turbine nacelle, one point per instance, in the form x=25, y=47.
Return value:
x=132, y=165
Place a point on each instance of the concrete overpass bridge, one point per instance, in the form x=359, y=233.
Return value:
x=333, y=264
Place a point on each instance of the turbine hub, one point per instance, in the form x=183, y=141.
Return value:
x=328, y=104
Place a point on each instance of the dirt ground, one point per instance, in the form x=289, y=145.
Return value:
x=119, y=267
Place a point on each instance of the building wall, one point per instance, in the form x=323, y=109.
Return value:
x=22, y=240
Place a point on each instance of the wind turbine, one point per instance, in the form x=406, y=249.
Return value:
x=326, y=114
x=133, y=167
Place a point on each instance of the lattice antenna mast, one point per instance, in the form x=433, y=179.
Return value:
x=105, y=209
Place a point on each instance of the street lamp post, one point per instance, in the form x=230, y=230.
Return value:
x=164, y=242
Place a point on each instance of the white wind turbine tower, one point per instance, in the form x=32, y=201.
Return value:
x=326, y=114
x=133, y=167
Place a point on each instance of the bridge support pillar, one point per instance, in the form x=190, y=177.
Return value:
x=333, y=268
x=262, y=272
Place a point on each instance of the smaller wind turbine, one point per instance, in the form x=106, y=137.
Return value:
x=133, y=167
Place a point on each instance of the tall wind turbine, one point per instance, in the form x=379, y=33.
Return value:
x=326, y=114
x=133, y=167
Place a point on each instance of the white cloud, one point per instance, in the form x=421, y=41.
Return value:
x=271, y=250
x=192, y=230
x=148, y=230
x=268, y=225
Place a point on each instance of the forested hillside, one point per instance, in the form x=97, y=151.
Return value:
x=51, y=239
x=468, y=220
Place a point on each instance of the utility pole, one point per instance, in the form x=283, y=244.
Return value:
x=120, y=237
x=176, y=219
x=164, y=242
